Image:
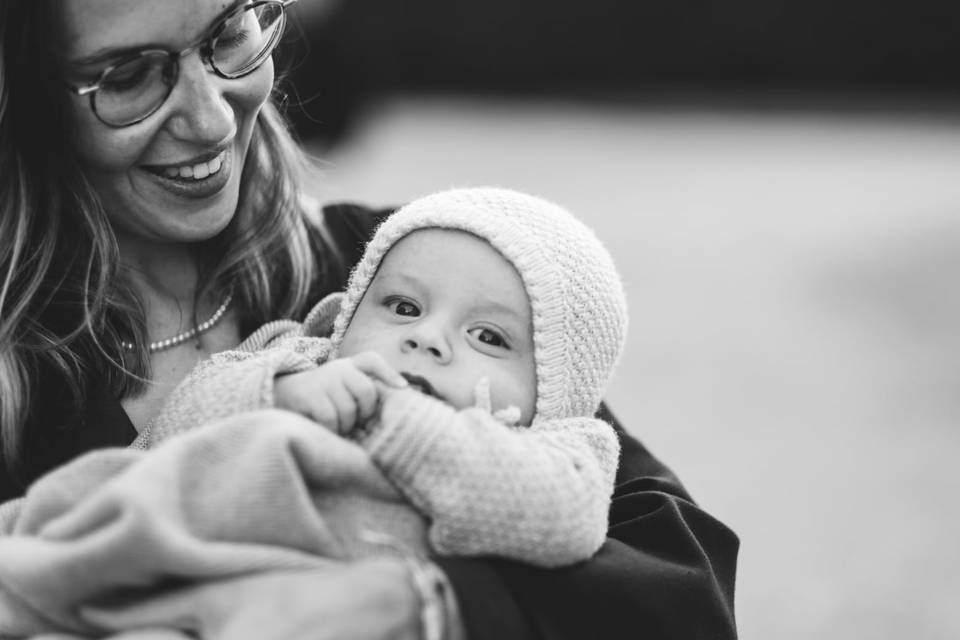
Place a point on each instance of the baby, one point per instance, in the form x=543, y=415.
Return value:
x=507, y=315
x=459, y=374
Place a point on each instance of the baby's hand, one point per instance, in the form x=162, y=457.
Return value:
x=339, y=394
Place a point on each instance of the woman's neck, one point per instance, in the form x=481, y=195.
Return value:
x=165, y=277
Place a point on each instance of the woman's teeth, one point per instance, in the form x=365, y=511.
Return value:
x=197, y=171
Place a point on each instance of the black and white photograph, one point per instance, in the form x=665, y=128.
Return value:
x=463, y=320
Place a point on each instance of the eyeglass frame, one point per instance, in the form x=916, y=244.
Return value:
x=203, y=45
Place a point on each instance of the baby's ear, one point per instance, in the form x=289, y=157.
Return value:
x=319, y=322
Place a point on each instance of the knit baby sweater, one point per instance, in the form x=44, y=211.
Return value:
x=220, y=485
x=538, y=494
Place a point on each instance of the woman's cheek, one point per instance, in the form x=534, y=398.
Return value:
x=253, y=94
x=102, y=149
x=103, y=153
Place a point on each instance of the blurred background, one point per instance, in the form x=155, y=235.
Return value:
x=778, y=184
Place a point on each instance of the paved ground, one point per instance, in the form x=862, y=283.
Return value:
x=795, y=324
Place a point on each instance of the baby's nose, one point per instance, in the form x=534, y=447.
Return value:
x=430, y=342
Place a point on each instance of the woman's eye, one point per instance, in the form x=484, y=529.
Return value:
x=404, y=308
x=127, y=76
x=232, y=40
x=236, y=31
x=490, y=337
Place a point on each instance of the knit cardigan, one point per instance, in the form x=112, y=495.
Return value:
x=230, y=486
x=537, y=494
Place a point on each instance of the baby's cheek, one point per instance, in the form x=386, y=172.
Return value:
x=515, y=394
x=461, y=396
x=355, y=339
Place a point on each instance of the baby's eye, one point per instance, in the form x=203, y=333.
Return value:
x=404, y=308
x=489, y=336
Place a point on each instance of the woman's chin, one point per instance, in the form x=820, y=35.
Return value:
x=202, y=230
x=160, y=228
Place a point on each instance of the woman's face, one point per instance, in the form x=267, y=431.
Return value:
x=174, y=177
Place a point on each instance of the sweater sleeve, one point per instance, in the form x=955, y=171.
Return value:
x=538, y=494
x=242, y=379
x=666, y=571
x=230, y=383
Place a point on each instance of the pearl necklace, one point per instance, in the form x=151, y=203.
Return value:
x=180, y=338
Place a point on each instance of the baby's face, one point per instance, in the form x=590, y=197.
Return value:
x=447, y=307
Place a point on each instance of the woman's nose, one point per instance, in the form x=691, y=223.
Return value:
x=430, y=342
x=201, y=111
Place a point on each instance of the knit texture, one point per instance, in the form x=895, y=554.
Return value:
x=577, y=301
x=538, y=494
x=261, y=490
x=218, y=387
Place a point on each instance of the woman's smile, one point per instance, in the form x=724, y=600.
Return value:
x=197, y=178
x=175, y=175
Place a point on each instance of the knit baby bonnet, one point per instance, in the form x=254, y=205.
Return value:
x=577, y=302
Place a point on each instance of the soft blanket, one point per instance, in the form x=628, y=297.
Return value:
x=264, y=490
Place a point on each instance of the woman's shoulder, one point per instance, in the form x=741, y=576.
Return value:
x=344, y=220
x=343, y=227
x=339, y=231
x=351, y=225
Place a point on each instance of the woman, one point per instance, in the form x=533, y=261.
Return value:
x=143, y=171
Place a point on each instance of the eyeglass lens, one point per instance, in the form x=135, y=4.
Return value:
x=134, y=89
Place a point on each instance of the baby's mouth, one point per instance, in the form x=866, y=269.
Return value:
x=421, y=384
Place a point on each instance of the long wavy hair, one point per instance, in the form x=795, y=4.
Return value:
x=65, y=303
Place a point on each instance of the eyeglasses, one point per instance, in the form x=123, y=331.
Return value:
x=132, y=89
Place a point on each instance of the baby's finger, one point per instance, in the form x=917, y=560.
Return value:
x=365, y=393
x=322, y=411
x=376, y=366
x=345, y=406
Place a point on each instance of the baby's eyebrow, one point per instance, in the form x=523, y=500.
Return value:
x=488, y=306
x=404, y=278
x=495, y=306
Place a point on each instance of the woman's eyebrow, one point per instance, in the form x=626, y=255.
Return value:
x=108, y=54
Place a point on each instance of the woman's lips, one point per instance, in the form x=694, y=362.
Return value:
x=196, y=170
x=198, y=179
